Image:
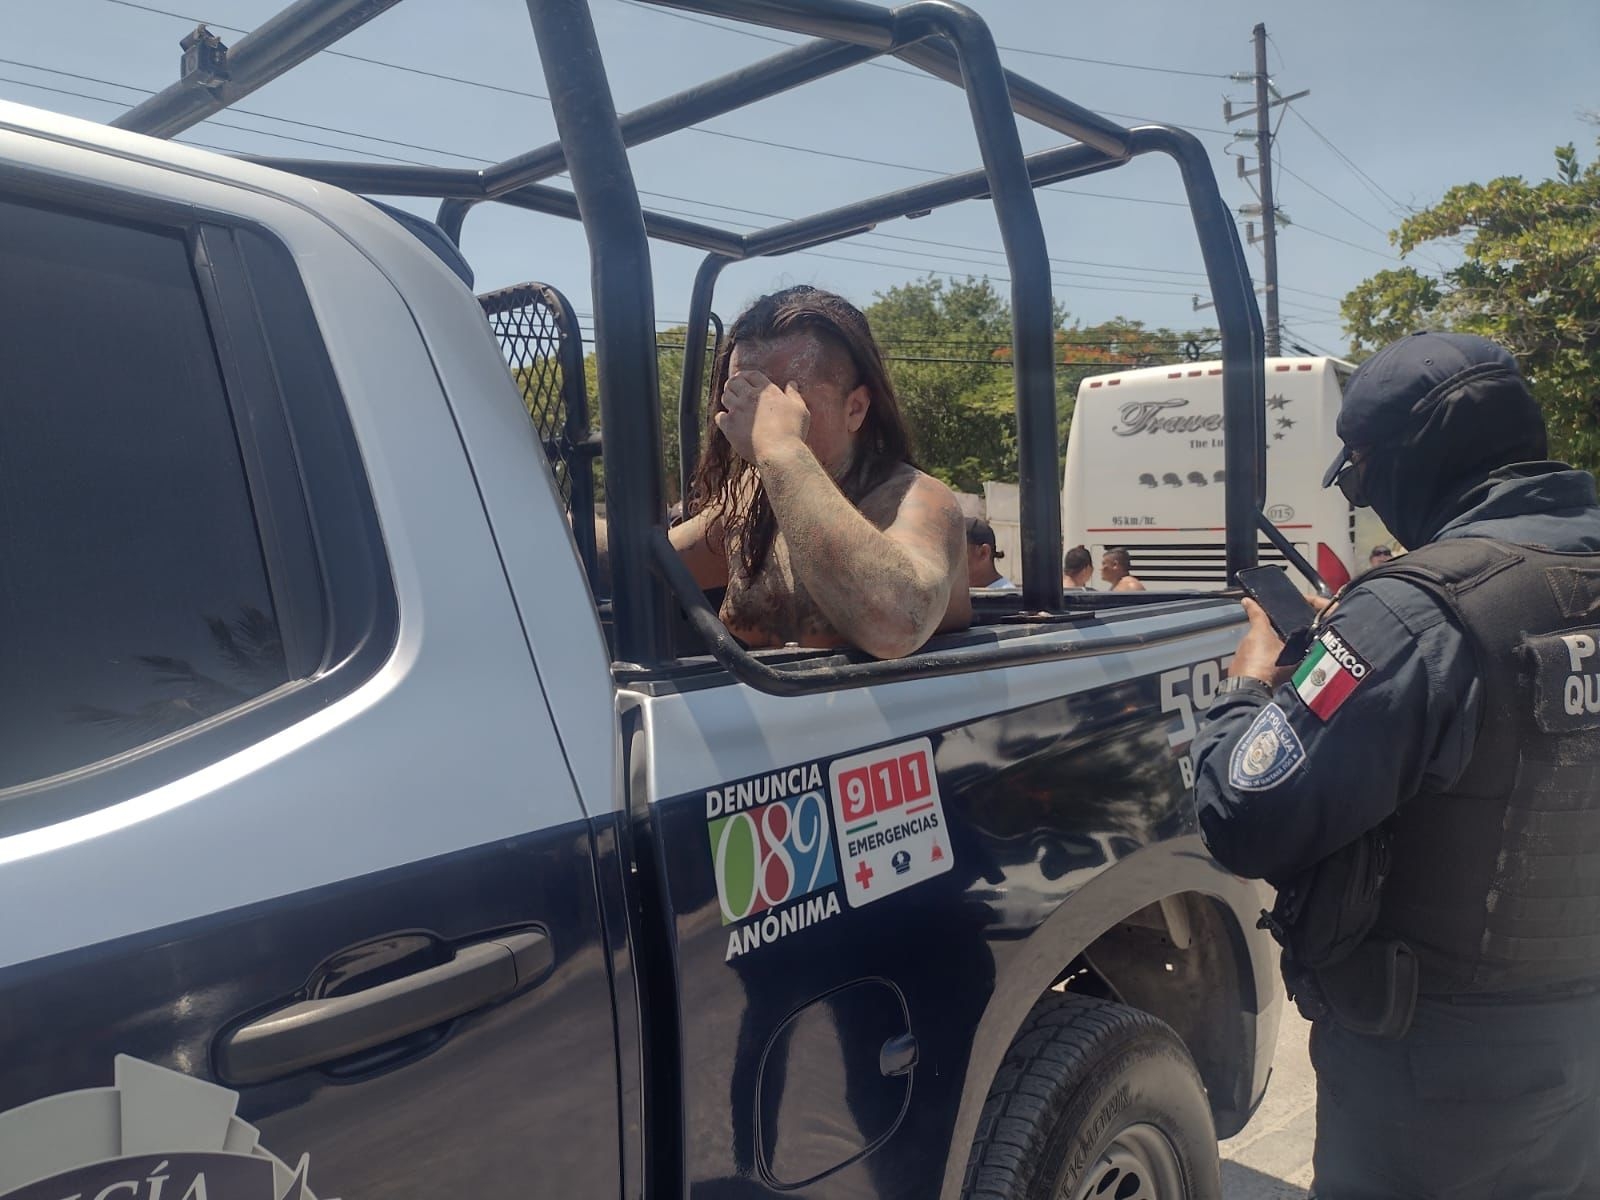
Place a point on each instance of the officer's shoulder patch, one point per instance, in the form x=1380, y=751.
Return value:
x=1267, y=754
x=1329, y=674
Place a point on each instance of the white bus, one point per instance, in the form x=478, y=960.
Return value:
x=1145, y=470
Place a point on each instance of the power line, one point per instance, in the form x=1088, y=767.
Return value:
x=252, y=112
x=485, y=161
x=1371, y=184
x=1300, y=337
x=219, y=124
x=1331, y=200
x=373, y=154
x=1061, y=282
x=1273, y=42
x=972, y=362
x=1082, y=287
x=1087, y=262
x=375, y=62
x=1310, y=312
x=1342, y=241
x=1179, y=289
x=979, y=343
x=1106, y=62
x=477, y=159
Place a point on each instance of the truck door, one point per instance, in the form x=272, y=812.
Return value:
x=830, y=971
x=300, y=896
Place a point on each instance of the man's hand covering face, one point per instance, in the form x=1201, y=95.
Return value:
x=760, y=418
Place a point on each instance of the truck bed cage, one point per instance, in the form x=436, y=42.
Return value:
x=538, y=334
x=940, y=37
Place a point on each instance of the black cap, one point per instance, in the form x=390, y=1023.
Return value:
x=1392, y=392
x=980, y=533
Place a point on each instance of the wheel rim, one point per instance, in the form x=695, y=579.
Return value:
x=1139, y=1164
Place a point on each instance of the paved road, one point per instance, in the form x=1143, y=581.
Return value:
x=1271, y=1159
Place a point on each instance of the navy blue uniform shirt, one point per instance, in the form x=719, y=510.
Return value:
x=1389, y=709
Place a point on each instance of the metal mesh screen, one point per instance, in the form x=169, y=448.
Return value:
x=539, y=336
x=543, y=348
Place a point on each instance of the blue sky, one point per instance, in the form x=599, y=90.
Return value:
x=1407, y=98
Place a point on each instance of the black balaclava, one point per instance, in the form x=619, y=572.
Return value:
x=1432, y=416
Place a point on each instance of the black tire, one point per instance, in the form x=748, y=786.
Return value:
x=1094, y=1100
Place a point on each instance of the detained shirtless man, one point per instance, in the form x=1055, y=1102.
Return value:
x=807, y=507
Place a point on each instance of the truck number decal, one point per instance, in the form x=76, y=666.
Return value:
x=1184, y=692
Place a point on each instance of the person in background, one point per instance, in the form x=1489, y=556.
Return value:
x=1077, y=570
x=1380, y=555
x=981, y=553
x=1116, y=568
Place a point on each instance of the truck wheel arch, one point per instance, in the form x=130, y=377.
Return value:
x=1135, y=958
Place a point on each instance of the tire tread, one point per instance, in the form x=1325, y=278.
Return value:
x=1054, y=1050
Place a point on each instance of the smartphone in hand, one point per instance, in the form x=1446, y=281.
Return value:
x=1271, y=588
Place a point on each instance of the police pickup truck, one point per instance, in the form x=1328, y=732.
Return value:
x=364, y=835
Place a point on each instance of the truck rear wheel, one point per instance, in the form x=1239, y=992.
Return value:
x=1094, y=1101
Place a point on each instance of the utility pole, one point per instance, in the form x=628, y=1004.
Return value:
x=1262, y=111
x=1269, y=222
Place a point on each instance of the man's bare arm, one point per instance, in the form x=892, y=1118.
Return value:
x=698, y=542
x=884, y=590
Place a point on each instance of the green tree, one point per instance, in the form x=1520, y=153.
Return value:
x=949, y=348
x=669, y=376
x=1529, y=279
x=948, y=345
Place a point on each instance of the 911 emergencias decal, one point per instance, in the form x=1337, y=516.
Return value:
x=154, y=1135
x=892, y=833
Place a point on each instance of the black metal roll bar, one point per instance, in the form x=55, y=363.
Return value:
x=940, y=37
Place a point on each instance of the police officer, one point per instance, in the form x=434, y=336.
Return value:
x=1424, y=789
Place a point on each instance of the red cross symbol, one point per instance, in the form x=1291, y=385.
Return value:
x=864, y=876
x=937, y=855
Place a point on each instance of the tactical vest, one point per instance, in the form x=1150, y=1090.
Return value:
x=1495, y=883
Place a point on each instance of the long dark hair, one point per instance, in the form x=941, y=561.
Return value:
x=725, y=481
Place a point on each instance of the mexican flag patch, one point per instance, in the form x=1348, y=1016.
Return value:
x=1329, y=674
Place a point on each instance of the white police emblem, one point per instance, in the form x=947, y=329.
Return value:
x=1267, y=754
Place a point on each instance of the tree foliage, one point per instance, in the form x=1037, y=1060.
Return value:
x=1529, y=279
x=944, y=342
x=669, y=375
x=949, y=350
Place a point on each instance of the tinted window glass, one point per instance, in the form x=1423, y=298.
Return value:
x=133, y=596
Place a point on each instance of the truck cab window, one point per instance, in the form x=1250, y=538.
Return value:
x=134, y=599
